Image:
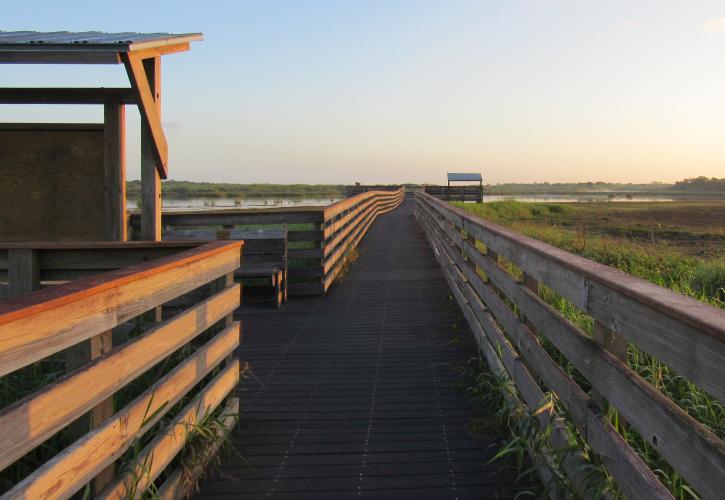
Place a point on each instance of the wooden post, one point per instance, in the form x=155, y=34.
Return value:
x=99, y=345
x=491, y=255
x=150, y=180
x=614, y=343
x=114, y=154
x=76, y=357
x=532, y=284
x=23, y=271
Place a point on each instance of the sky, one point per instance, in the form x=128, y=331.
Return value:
x=403, y=91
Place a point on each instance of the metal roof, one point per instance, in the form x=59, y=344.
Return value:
x=464, y=177
x=86, y=46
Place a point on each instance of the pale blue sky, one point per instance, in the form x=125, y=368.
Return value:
x=395, y=91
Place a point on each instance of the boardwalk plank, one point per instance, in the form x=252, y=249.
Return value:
x=357, y=394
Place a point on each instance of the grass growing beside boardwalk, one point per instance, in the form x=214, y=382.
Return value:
x=680, y=246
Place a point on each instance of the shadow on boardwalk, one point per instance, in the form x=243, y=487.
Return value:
x=357, y=394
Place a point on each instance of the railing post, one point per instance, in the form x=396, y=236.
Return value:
x=614, y=343
x=100, y=345
x=532, y=284
x=76, y=357
x=23, y=271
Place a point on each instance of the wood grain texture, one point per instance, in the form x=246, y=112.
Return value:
x=181, y=482
x=68, y=471
x=150, y=179
x=52, y=319
x=155, y=456
x=147, y=107
x=50, y=175
x=29, y=422
x=114, y=161
x=23, y=271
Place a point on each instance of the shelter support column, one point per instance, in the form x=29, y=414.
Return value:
x=150, y=179
x=114, y=145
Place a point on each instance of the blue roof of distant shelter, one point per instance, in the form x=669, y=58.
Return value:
x=464, y=177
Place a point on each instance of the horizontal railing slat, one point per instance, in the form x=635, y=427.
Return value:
x=54, y=406
x=45, y=322
x=154, y=458
x=75, y=466
x=182, y=481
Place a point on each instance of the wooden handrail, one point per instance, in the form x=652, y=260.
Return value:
x=347, y=221
x=675, y=305
x=43, y=323
x=690, y=341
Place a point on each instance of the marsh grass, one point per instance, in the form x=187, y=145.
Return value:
x=543, y=472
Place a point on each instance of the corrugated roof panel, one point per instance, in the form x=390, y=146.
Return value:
x=71, y=40
x=462, y=177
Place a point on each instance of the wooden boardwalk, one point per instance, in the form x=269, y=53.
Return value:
x=357, y=394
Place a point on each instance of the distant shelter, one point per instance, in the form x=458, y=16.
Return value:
x=461, y=192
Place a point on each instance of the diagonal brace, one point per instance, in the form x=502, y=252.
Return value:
x=147, y=107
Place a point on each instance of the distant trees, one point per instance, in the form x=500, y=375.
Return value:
x=700, y=184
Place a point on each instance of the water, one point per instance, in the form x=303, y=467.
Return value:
x=180, y=205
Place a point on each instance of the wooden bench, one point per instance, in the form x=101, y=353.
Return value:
x=264, y=255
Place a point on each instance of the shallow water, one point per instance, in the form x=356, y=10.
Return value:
x=181, y=204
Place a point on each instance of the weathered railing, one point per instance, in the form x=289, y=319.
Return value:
x=138, y=399
x=686, y=335
x=357, y=189
x=316, y=252
x=456, y=193
x=347, y=221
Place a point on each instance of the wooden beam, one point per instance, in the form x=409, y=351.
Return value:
x=114, y=145
x=67, y=95
x=162, y=51
x=147, y=108
x=150, y=178
x=58, y=57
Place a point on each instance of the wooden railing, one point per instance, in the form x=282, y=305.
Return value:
x=355, y=190
x=315, y=254
x=147, y=393
x=510, y=321
x=27, y=267
x=347, y=221
x=456, y=193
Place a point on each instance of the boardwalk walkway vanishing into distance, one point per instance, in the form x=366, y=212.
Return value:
x=354, y=394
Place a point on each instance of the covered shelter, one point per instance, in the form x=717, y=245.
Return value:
x=466, y=192
x=67, y=182
x=464, y=177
